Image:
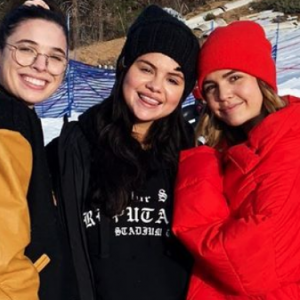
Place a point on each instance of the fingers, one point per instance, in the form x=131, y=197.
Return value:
x=37, y=3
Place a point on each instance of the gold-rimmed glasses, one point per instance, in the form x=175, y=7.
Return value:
x=26, y=56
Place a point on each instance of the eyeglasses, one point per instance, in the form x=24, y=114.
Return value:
x=26, y=56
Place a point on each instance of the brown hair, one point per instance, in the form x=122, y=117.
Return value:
x=215, y=131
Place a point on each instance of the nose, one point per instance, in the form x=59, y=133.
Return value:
x=224, y=92
x=40, y=63
x=154, y=84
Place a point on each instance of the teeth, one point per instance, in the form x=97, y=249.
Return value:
x=35, y=81
x=149, y=100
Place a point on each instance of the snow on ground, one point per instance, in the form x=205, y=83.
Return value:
x=287, y=63
x=52, y=126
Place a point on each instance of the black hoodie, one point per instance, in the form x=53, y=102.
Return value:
x=118, y=258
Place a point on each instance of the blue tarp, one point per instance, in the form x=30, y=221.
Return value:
x=83, y=86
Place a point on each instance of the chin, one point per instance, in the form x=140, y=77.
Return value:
x=35, y=98
x=32, y=101
x=234, y=123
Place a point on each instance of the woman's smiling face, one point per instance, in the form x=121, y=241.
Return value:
x=233, y=96
x=153, y=88
x=33, y=83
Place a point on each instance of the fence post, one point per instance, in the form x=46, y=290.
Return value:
x=275, y=47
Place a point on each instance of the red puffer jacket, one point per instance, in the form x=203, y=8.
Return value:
x=239, y=213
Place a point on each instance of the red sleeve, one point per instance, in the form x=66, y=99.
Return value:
x=253, y=252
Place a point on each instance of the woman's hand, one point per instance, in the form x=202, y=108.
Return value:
x=36, y=3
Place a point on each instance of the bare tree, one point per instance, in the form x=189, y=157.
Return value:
x=100, y=20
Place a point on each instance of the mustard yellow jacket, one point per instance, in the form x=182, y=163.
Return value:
x=19, y=279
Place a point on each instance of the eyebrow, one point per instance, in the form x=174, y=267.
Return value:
x=178, y=71
x=36, y=44
x=228, y=73
x=223, y=76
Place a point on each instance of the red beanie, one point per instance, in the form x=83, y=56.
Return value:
x=241, y=46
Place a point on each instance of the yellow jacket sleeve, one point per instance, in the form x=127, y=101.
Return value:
x=19, y=278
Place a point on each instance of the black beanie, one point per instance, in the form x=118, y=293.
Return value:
x=155, y=30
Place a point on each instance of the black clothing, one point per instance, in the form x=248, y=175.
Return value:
x=145, y=267
x=45, y=238
x=71, y=177
x=112, y=259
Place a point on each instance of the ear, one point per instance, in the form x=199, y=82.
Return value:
x=196, y=92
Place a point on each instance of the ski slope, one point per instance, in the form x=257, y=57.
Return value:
x=287, y=38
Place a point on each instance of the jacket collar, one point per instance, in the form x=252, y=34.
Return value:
x=265, y=135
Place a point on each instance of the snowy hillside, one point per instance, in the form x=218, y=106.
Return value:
x=287, y=38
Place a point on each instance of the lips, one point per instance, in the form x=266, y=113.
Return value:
x=148, y=100
x=229, y=108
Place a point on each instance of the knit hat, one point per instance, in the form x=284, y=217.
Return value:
x=241, y=46
x=155, y=30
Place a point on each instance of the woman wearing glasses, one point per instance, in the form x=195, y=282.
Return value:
x=33, y=49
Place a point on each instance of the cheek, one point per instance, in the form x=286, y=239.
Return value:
x=51, y=88
x=133, y=76
x=212, y=105
x=8, y=75
x=129, y=83
x=172, y=103
x=174, y=94
x=259, y=96
x=254, y=96
x=58, y=81
x=248, y=92
x=249, y=88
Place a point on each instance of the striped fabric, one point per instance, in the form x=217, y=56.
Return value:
x=84, y=86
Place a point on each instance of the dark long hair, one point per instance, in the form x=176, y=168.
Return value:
x=118, y=161
x=18, y=13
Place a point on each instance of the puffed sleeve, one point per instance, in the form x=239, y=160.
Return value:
x=19, y=278
x=199, y=174
x=255, y=248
